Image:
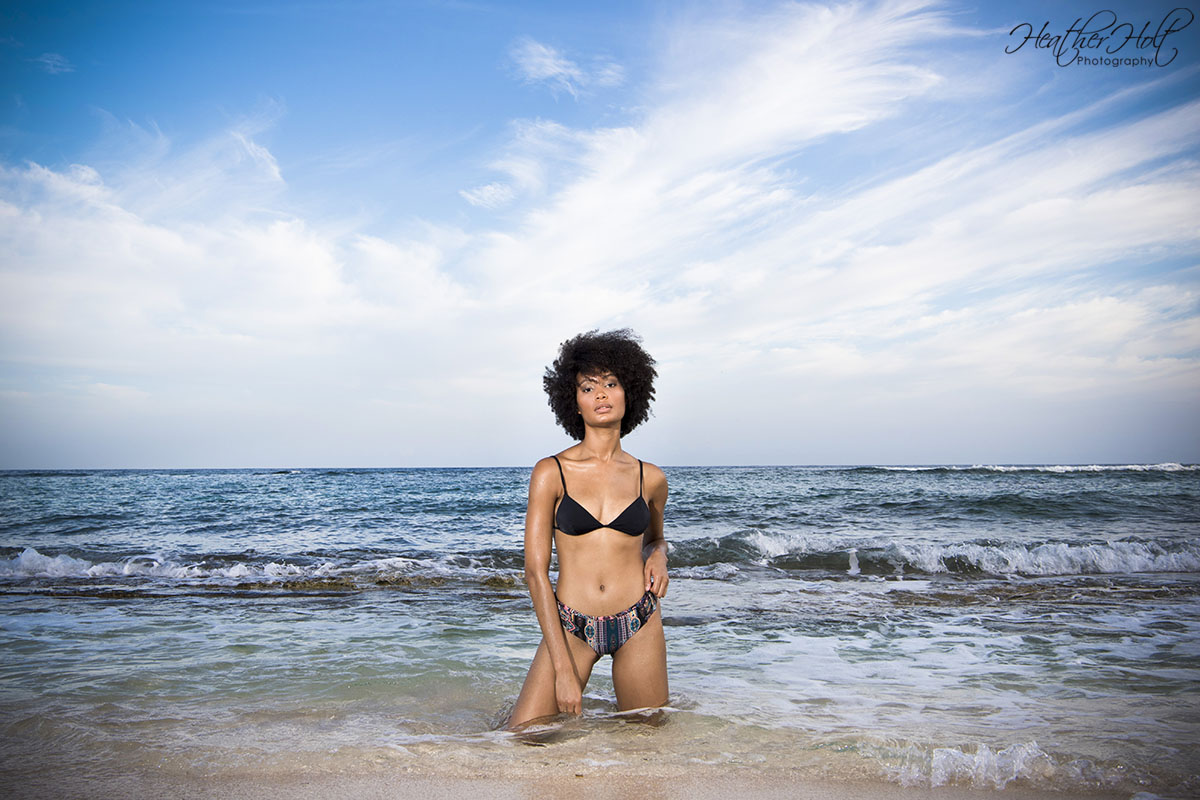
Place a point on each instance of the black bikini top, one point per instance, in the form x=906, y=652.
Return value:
x=575, y=520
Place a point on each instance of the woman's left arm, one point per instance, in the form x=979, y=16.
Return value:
x=654, y=546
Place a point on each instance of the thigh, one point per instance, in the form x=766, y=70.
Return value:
x=537, y=698
x=639, y=668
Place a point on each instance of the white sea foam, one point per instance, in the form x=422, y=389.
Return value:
x=1050, y=559
x=984, y=768
x=1042, y=560
x=771, y=545
x=1165, y=467
x=1062, y=468
x=723, y=571
x=32, y=564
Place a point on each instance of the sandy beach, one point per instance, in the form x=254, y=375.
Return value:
x=702, y=784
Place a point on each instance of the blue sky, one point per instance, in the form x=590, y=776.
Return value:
x=353, y=234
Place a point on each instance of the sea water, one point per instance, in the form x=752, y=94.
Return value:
x=971, y=625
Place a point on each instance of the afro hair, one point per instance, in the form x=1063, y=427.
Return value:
x=619, y=352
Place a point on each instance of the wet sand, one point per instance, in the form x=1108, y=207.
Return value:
x=706, y=783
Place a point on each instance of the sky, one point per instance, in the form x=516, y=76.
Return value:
x=353, y=234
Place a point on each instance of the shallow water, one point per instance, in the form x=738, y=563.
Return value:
x=981, y=626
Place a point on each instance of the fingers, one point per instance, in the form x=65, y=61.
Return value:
x=569, y=698
x=656, y=581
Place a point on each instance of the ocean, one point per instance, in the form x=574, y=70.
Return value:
x=980, y=626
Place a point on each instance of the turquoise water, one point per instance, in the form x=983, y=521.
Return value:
x=982, y=626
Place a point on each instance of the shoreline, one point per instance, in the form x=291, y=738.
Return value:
x=861, y=633
x=702, y=783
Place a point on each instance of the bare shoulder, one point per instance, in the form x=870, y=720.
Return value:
x=654, y=476
x=545, y=473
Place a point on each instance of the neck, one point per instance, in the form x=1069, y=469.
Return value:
x=603, y=444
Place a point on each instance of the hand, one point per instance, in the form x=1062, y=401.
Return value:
x=568, y=694
x=655, y=573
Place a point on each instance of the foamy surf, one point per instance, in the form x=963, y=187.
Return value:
x=995, y=629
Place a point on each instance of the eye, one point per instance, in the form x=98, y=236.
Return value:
x=585, y=389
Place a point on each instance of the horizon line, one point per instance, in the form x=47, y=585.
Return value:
x=913, y=465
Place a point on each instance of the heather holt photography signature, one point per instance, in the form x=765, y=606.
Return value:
x=1103, y=39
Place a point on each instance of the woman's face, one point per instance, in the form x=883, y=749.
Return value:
x=601, y=399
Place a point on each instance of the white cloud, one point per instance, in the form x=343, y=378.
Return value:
x=540, y=63
x=683, y=225
x=260, y=155
x=228, y=174
x=1002, y=270
x=117, y=394
x=54, y=63
x=491, y=195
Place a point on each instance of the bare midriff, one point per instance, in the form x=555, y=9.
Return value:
x=599, y=573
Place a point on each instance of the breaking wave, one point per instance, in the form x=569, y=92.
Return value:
x=813, y=553
x=251, y=571
x=1053, y=468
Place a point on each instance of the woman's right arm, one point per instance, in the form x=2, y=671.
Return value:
x=539, y=541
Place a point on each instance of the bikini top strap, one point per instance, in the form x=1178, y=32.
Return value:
x=641, y=478
x=560, y=473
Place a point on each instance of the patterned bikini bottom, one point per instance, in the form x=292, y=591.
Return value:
x=606, y=634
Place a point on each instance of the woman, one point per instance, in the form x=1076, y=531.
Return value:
x=611, y=575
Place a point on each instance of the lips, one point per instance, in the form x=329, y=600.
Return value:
x=600, y=409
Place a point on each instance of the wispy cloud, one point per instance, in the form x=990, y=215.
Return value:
x=702, y=224
x=225, y=175
x=259, y=154
x=540, y=63
x=1046, y=263
x=491, y=195
x=54, y=63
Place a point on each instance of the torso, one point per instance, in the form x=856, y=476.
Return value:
x=600, y=572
